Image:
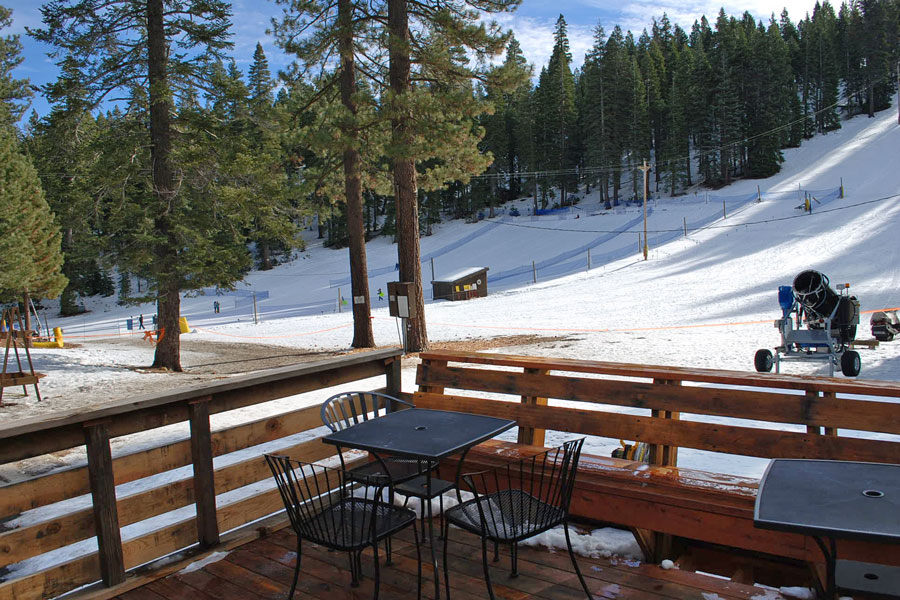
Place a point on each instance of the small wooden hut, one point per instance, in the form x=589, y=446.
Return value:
x=463, y=285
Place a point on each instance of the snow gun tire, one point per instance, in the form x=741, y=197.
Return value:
x=850, y=363
x=763, y=361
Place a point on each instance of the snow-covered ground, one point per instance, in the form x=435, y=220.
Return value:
x=705, y=300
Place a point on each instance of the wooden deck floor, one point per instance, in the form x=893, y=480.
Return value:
x=263, y=569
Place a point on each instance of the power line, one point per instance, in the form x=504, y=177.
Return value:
x=723, y=226
x=620, y=169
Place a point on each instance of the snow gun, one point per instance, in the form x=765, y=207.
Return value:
x=816, y=324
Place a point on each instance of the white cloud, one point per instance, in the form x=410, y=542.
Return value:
x=536, y=38
x=636, y=15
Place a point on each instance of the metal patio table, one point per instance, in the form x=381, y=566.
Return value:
x=428, y=435
x=831, y=500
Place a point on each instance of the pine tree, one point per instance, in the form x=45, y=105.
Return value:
x=440, y=32
x=30, y=256
x=593, y=113
x=160, y=45
x=619, y=93
x=556, y=93
x=14, y=93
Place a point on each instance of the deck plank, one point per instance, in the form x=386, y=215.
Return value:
x=263, y=569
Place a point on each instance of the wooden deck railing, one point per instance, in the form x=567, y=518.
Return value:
x=759, y=415
x=106, y=513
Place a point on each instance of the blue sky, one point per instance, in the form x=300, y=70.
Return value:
x=532, y=24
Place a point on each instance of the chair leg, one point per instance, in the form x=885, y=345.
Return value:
x=387, y=550
x=296, y=571
x=441, y=519
x=355, y=571
x=484, y=562
x=514, y=560
x=377, y=569
x=575, y=563
x=446, y=534
x=418, y=562
x=496, y=552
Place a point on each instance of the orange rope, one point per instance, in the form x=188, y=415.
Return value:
x=492, y=327
x=273, y=337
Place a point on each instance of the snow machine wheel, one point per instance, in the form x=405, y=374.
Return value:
x=763, y=360
x=850, y=363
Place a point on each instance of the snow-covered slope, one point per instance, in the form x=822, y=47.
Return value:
x=721, y=277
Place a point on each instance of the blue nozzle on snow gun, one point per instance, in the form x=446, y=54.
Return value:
x=786, y=299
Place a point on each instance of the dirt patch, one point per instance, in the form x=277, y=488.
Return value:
x=503, y=341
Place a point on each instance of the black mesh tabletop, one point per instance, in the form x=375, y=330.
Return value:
x=420, y=433
x=842, y=499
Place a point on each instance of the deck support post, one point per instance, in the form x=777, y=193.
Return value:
x=204, y=480
x=531, y=435
x=103, y=494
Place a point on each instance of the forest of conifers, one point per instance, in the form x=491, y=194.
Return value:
x=252, y=157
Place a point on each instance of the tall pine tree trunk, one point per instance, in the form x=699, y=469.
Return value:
x=359, y=281
x=168, y=352
x=405, y=180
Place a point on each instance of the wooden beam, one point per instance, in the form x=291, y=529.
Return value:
x=532, y=435
x=394, y=377
x=103, y=492
x=743, y=378
x=41, y=435
x=770, y=405
x=714, y=437
x=25, y=542
x=204, y=480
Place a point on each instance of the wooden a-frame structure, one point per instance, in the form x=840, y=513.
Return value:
x=11, y=328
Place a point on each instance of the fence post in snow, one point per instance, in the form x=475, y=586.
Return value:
x=758, y=194
x=685, y=226
x=534, y=271
x=589, y=259
x=842, y=186
x=432, y=268
x=339, y=299
x=724, y=215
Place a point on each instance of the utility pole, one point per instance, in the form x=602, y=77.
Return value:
x=645, y=168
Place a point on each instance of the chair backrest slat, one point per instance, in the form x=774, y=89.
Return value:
x=536, y=489
x=319, y=500
x=352, y=408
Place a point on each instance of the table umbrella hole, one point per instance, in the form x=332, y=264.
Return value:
x=873, y=494
x=421, y=428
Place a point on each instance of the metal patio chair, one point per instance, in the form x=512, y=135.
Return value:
x=516, y=501
x=327, y=507
x=407, y=474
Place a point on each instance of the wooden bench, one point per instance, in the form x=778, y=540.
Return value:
x=672, y=509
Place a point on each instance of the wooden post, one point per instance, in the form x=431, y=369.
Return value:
x=830, y=396
x=811, y=398
x=664, y=456
x=393, y=380
x=534, y=271
x=530, y=435
x=103, y=494
x=204, y=480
